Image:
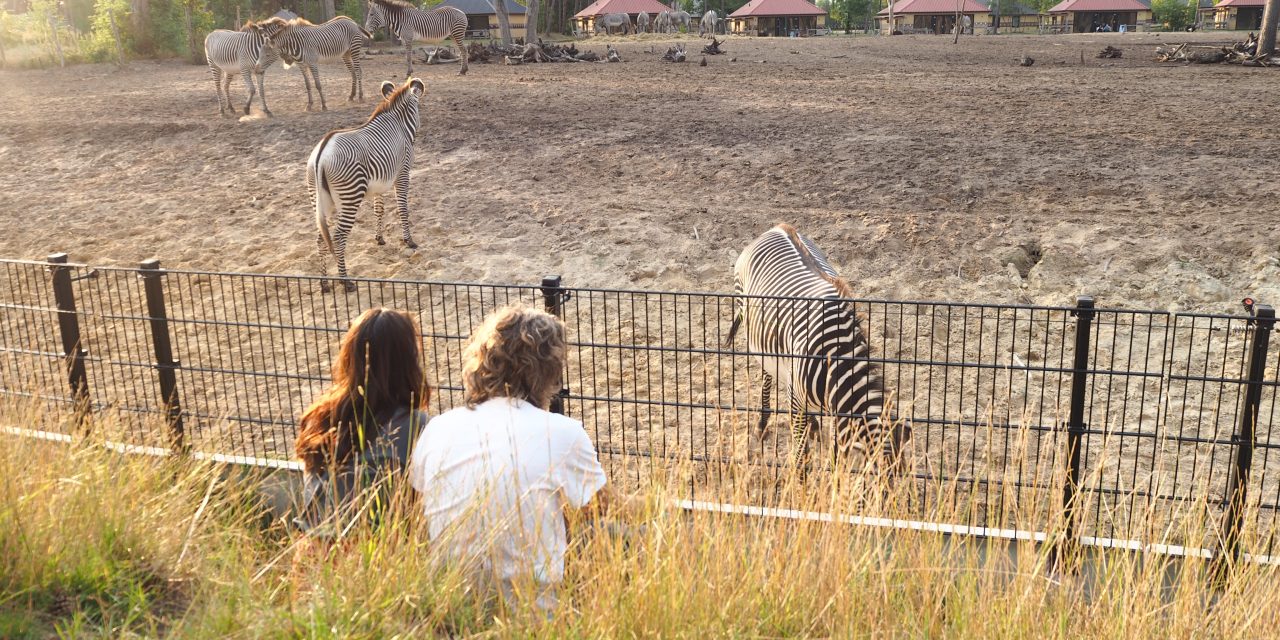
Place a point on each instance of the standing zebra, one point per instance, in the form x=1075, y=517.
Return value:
x=370, y=160
x=297, y=41
x=244, y=50
x=642, y=22
x=407, y=23
x=707, y=25
x=816, y=348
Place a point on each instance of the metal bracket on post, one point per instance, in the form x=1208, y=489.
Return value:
x=553, y=298
x=166, y=365
x=1076, y=426
x=69, y=328
x=1244, y=440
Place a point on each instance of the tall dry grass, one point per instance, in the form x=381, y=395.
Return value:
x=94, y=543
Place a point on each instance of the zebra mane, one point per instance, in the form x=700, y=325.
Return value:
x=806, y=257
x=394, y=5
x=390, y=101
x=248, y=26
x=301, y=22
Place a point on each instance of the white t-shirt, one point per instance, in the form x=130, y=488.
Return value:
x=495, y=481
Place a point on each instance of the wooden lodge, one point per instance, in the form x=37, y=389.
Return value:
x=585, y=21
x=482, y=18
x=1241, y=15
x=934, y=17
x=796, y=18
x=1087, y=16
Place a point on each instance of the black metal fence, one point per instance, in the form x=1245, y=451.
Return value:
x=1117, y=418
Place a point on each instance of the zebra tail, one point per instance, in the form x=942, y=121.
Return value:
x=324, y=201
x=733, y=329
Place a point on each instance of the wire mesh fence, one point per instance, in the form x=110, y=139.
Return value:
x=996, y=395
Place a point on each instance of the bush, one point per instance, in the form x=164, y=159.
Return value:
x=1175, y=15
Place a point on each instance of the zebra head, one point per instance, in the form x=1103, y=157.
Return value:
x=375, y=16
x=275, y=34
x=403, y=101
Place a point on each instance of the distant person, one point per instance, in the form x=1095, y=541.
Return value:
x=499, y=476
x=356, y=437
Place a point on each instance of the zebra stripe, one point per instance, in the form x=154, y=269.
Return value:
x=408, y=23
x=297, y=41
x=243, y=51
x=816, y=348
x=349, y=164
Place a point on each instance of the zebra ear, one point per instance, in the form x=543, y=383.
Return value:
x=417, y=86
x=388, y=88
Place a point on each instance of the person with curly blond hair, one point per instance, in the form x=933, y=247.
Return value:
x=498, y=476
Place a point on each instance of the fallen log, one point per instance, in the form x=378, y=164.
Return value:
x=713, y=49
x=675, y=54
x=1110, y=52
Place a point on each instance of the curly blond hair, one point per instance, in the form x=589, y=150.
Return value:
x=517, y=352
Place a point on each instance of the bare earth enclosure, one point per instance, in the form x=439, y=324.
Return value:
x=927, y=170
x=924, y=168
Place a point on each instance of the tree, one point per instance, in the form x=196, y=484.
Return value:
x=504, y=20
x=329, y=10
x=531, y=20
x=1175, y=15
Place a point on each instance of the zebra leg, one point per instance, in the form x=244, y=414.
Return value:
x=766, y=399
x=346, y=219
x=247, y=75
x=351, y=68
x=408, y=55
x=402, y=201
x=315, y=79
x=801, y=424
x=377, y=220
x=306, y=79
x=262, y=92
x=217, y=86
x=462, y=54
x=226, y=89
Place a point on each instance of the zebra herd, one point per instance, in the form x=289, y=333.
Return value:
x=664, y=22
x=801, y=327
x=258, y=45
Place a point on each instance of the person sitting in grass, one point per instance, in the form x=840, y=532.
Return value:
x=498, y=476
x=359, y=432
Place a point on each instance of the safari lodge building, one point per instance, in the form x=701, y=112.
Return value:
x=1086, y=16
x=934, y=16
x=777, y=18
x=585, y=21
x=1242, y=15
x=482, y=18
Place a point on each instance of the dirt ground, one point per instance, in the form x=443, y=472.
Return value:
x=925, y=169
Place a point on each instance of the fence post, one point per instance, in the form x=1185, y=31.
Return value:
x=69, y=328
x=553, y=298
x=165, y=364
x=1076, y=426
x=1264, y=320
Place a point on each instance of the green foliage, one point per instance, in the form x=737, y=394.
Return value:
x=849, y=14
x=1175, y=15
x=102, y=44
x=355, y=9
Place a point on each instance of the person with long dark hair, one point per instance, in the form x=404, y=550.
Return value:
x=359, y=432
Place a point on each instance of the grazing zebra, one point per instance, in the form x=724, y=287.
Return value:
x=614, y=21
x=370, y=160
x=300, y=42
x=662, y=22
x=707, y=25
x=243, y=50
x=816, y=349
x=680, y=19
x=642, y=22
x=408, y=23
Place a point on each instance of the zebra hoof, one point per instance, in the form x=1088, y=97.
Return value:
x=411, y=244
x=381, y=241
x=349, y=286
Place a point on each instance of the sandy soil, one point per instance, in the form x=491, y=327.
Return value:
x=925, y=169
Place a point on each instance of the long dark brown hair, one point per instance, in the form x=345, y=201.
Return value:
x=377, y=371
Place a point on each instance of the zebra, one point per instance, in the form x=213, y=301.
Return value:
x=298, y=41
x=642, y=22
x=349, y=164
x=679, y=19
x=662, y=22
x=707, y=25
x=407, y=22
x=227, y=51
x=817, y=350
x=614, y=20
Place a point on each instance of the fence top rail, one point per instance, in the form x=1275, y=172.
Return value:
x=537, y=288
